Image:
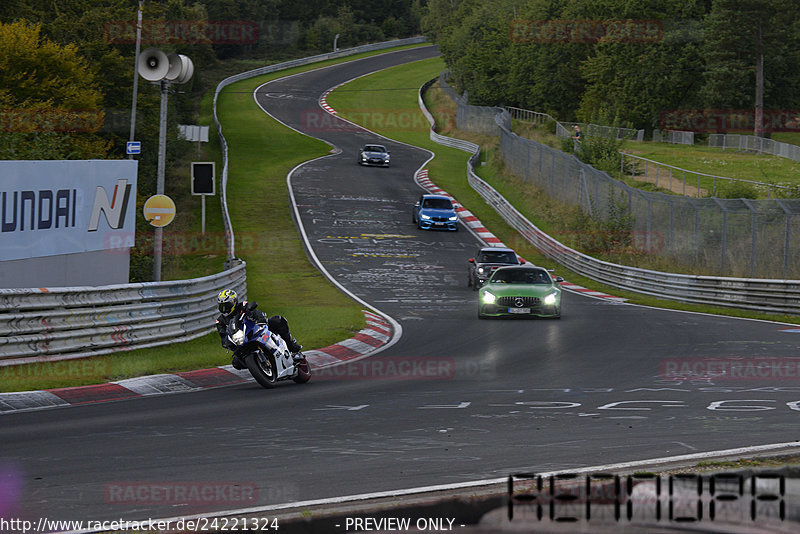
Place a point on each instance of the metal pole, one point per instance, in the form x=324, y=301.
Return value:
x=786, y=245
x=136, y=73
x=162, y=156
x=203, y=215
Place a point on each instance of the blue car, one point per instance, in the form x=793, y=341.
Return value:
x=435, y=212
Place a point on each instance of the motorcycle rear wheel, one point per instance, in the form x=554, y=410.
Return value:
x=262, y=367
x=303, y=371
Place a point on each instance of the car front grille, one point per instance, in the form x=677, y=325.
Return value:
x=440, y=219
x=519, y=302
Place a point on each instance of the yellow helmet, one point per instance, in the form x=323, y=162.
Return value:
x=226, y=301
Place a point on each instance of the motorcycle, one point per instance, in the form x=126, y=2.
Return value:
x=265, y=353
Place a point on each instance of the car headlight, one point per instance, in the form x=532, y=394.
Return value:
x=238, y=337
x=422, y=215
x=454, y=218
x=488, y=298
x=550, y=299
x=481, y=270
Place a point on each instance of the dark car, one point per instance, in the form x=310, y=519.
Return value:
x=486, y=261
x=435, y=212
x=373, y=155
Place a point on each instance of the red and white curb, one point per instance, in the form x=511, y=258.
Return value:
x=489, y=238
x=377, y=333
x=323, y=100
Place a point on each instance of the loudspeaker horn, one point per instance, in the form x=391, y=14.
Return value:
x=153, y=65
x=181, y=68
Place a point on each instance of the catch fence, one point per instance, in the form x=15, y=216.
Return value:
x=718, y=237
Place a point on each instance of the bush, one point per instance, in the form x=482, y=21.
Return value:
x=602, y=153
x=737, y=189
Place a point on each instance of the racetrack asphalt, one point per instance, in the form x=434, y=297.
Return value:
x=454, y=400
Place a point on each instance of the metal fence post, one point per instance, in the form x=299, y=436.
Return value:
x=684, y=183
x=787, y=213
x=696, y=232
x=754, y=236
x=723, y=243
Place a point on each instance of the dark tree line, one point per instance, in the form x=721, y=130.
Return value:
x=94, y=40
x=628, y=61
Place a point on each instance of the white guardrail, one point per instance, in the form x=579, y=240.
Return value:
x=775, y=296
x=75, y=322
x=53, y=324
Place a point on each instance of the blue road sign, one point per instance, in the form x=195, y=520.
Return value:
x=133, y=147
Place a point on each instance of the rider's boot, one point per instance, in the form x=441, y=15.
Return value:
x=293, y=346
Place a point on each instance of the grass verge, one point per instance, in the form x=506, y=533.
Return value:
x=279, y=275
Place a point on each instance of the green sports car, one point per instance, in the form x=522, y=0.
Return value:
x=521, y=290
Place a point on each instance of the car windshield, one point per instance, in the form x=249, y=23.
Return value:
x=374, y=148
x=497, y=257
x=437, y=204
x=520, y=276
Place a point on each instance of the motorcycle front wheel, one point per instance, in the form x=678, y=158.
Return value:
x=262, y=367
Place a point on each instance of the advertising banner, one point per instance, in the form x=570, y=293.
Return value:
x=49, y=208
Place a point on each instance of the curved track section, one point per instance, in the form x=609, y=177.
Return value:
x=455, y=400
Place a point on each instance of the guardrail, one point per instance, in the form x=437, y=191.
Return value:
x=766, y=295
x=76, y=322
x=65, y=323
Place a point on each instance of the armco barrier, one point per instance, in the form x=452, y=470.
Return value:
x=775, y=296
x=76, y=322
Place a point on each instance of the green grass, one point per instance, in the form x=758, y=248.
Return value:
x=714, y=161
x=718, y=162
x=279, y=275
x=448, y=171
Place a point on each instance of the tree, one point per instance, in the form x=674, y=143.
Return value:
x=752, y=61
x=50, y=99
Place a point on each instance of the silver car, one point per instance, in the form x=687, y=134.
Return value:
x=373, y=155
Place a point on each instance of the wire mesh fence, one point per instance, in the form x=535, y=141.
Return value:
x=687, y=182
x=722, y=237
x=675, y=137
x=752, y=143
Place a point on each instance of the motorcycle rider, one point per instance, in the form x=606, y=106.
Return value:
x=230, y=307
